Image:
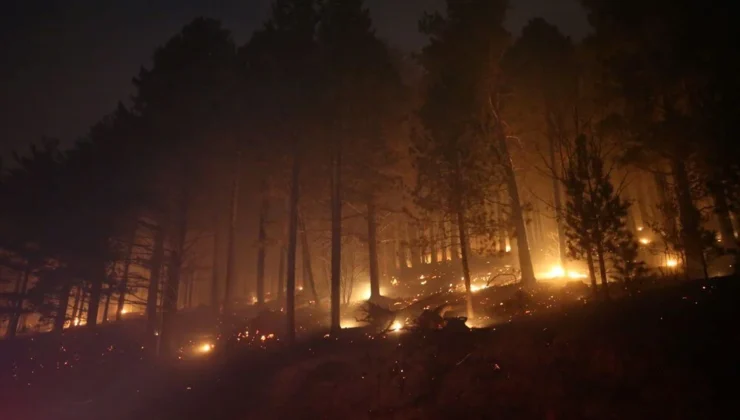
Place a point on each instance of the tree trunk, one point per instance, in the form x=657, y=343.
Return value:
x=555, y=164
x=602, y=270
x=372, y=238
x=96, y=291
x=308, y=271
x=231, y=250
x=261, y=243
x=108, y=293
x=517, y=214
x=292, y=245
x=61, y=315
x=20, y=291
x=155, y=272
x=722, y=210
x=592, y=272
x=215, y=296
x=177, y=256
x=76, y=304
x=281, y=275
x=336, y=239
x=465, y=263
x=123, y=285
x=690, y=223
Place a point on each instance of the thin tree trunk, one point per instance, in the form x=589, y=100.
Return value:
x=722, y=210
x=76, y=305
x=336, y=239
x=557, y=199
x=82, y=306
x=281, y=274
x=690, y=223
x=96, y=291
x=602, y=270
x=108, y=294
x=308, y=271
x=155, y=272
x=592, y=272
x=215, y=296
x=231, y=250
x=174, y=270
x=20, y=292
x=61, y=315
x=372, y=238
x=261, y=243
x=123, y=285
x=465, y=262
x=517, y=213
x=292, y=245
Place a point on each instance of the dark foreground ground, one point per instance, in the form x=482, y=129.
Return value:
x=673, y=352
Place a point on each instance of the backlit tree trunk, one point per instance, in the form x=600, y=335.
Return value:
x=61, y=314
x=602, y=269
x=336, y=239
x=690, y=223
x=215, y=294
x=722, y=210
x=307, y=270
x=292, y=248
x=177, y=256
x=123, y=284
x=155, y=272
x=231, y=247
x=261, y=244
x=465, y=262
x=517, y=213
x=96, y=291
x=20, y=296
x=372, y=238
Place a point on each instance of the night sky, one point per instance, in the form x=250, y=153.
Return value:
x=66, y=63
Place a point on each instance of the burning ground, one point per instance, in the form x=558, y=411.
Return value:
x=548, y=353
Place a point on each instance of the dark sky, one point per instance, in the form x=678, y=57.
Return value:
x=66, y=63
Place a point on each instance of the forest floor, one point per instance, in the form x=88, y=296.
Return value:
x=668, y=352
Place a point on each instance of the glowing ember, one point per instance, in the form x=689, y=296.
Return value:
x=423, y=282
x=640, y=229
x=124, y=311
x=396, y=326
x=205, y=348
x=644, y=241
x=394, y=281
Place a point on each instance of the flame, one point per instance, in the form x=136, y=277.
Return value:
x=558, y=272
x=394, y=281
x=671, y=263
x=508, y=248
x=396, y=326
x=124, y=311
x=644, y=241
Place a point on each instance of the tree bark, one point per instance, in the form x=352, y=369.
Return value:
x=76, y=304
x=307, y=270
x=108, y=293
x=231, y=250
x=123, y=285
x=602, y=270
x=261, y=243
x=372, y=238
x=465, y=263
x=20, y=292
x=61, y=315
x=96, y=291
x=592, y=272
x=517, y=213
x=292, y=247
x=215, y=296
x=174, y=270
x=722, y=210
x=155, y=272
x=281, y=274
x=690, y=223
x=336, y=239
